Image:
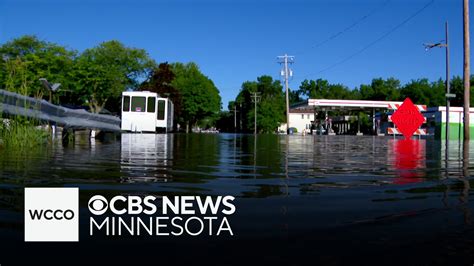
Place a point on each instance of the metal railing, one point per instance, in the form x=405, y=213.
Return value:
x=19, y=105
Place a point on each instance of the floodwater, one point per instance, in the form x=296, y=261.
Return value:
x=326, y=200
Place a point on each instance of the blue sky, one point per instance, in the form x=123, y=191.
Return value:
x=234, y=41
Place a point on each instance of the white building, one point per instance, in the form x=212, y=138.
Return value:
x=301, y=119
x=144, y=111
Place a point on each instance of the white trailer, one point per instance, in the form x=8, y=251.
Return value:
x=144, y=111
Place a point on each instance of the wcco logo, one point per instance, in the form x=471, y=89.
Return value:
x=52, y=214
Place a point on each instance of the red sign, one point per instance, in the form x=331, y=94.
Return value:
x=407, y=118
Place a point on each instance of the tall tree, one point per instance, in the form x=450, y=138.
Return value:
x=422, y=91
x=457, y=87
x=270, y=109
x=314, y=88
x=105, y=71
x=322, y=89
x=295, y=96
x=200, y=97
x=160, y=81
x=381, y=90
x=26, y=59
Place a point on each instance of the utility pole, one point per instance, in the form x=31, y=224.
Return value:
x=286, y=73
x=235, y=117
x=448, y=93
x=255, y=98
x=466, y=72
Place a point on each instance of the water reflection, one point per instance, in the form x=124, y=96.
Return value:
x=285, y=184
x=146, y=157
x=312, y=162
x=407, y=156
x=464, y=197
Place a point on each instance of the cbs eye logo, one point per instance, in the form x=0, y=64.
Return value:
x=98, y=205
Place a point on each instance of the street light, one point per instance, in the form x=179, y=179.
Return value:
x=50, y=87
x=53, y=87
x=448, y=95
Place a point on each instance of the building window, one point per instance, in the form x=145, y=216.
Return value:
x=307, y=116
x=138, y=104
x=161, y=110
x=150, y=107
x=302, y=116
x=126, y=104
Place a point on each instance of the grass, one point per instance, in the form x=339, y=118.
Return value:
x=22, y=133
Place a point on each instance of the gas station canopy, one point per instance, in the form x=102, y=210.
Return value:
x=357, y=104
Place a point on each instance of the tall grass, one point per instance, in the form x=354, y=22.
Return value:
x=22, y=133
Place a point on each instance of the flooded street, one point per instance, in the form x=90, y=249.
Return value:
x=330, y=199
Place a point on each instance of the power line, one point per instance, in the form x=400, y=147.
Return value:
x=346, y=29
x=383, y=36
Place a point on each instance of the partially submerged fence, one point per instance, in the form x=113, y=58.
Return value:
x=18, y=105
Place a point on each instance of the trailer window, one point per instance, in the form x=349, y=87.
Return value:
x=138, y=104
x=150, y=107
x=161, y=110
x=126, y=103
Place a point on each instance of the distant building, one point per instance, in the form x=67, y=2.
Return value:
x=301, y=118
x=436, y=121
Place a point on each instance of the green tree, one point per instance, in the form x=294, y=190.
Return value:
x=270, y=109
x=314, y=88
x=422, y=91
x=294, y=96
x=105, y=71
x=160, y=81
x=457, y=87
x=201, y=101
x=322, y=89
x=26, y=59
x=438, y=89
x=381, y=90
x=225, y=123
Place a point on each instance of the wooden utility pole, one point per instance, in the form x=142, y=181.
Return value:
x=255, y=98
x=235, y=117
x=466, y=74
